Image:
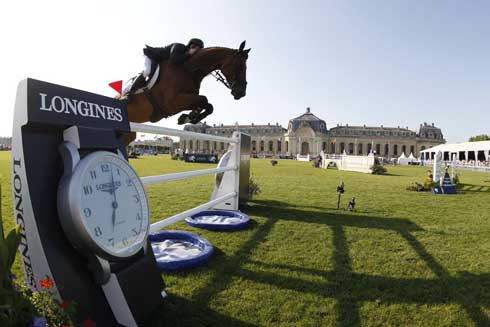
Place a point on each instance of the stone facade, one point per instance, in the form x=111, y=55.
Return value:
x=308, y=134
x=162, y=144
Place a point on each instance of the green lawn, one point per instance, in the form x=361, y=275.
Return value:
x=401, y=259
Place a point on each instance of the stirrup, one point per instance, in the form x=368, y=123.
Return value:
x=138, y=83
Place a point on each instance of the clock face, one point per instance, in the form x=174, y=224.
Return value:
x=113, y=205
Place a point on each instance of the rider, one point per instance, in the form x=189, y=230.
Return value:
x=176, y=53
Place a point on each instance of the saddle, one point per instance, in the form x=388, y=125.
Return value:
x=151, y=82
x=127, y=93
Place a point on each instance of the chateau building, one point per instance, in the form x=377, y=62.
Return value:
x=308, y=134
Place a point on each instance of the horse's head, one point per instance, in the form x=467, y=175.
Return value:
x=234, y=67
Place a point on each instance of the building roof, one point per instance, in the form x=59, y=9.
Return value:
x=457, y=147
x=307, y=116
x=308, y=119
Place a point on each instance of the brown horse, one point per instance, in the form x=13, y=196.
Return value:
x=177, y=88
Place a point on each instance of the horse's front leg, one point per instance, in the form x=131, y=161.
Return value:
x=203, y=111
x=198, y=104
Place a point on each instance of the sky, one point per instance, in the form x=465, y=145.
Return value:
x=391, y=63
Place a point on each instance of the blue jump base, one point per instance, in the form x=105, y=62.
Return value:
x=241, y=224
x=205, y=246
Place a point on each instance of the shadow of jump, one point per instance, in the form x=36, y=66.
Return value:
x=350, y=289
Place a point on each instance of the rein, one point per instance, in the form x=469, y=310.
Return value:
x=216, y=74
x=220, y=78
x=229, y=84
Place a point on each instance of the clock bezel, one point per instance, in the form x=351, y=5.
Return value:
x=72, y=219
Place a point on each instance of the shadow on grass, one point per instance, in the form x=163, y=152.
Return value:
x=276, y=209
x=470, y=188
x=350, y=289
x=396, y=175
x=178, y=311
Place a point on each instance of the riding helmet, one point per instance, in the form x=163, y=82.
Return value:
x=197, y=42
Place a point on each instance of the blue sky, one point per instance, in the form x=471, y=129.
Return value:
x=391, y=63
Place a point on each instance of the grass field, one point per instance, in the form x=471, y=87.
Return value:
x=401, y=259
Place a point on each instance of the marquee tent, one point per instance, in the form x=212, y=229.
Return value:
x=477, y=151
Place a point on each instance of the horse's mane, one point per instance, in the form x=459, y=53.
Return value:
x=216, y=48
x=203, y=56
x=206, y=51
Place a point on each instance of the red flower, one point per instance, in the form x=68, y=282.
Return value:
x=65, y=305
x=46, y=283
x=88, y=323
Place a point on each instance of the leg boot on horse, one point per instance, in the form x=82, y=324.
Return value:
x=196, y=115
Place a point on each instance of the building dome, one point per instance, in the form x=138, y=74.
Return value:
x=427, y=131
x=307, y=120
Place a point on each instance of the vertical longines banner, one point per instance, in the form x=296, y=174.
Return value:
x=42, y=112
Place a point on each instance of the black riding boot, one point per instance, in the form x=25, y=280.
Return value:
x=138, y=83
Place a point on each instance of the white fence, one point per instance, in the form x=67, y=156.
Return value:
x=458, y=165
x=300, y=157
x=360, y=164
x=232, y=172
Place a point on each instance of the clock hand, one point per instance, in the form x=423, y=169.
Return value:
x=113, y=217
x=114, y=203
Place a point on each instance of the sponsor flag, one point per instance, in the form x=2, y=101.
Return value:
x=117, y=85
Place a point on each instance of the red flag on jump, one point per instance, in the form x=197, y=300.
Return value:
x=117, y=86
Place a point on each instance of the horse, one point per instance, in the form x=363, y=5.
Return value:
x=177, y=87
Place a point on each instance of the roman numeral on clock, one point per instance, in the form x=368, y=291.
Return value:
x=87, y=189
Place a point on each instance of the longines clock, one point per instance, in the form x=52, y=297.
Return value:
x=103, y=207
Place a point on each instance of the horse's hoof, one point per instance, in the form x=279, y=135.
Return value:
x=183, y=119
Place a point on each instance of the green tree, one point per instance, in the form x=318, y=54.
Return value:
x=482, y=137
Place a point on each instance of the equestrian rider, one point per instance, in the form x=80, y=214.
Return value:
x=176, y=53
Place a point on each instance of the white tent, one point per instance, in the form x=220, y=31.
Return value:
x=403, y=160
x=477, y=151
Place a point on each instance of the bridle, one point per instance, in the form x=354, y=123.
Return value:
x=233, y=81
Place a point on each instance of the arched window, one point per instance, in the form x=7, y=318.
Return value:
x=412, y=149
x=271, y=146
x=378, y=149
x=369, y=148
x=261, y=146
x=332, y=148
x=279, y=146
x=359, y=149
x=287, y=146
x=395, y=150
x=404, y=149
x=223, y=145
x=342, y=147
x=387, y=149
x=324, y=146
x=254, y=145
x=190, y=144
x=351, y=148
